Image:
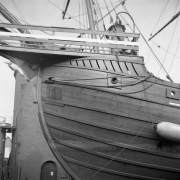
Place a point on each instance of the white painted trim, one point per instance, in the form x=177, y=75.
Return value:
x=68, y=39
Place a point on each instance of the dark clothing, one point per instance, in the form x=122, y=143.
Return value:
x=118, y=29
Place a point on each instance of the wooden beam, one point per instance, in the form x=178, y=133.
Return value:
x=62, y=38
x=53, y=52
x=68, y=30
x=64, y=12
x=7, y=15
x=54, y=43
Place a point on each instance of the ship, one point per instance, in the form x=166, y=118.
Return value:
x=88, y=108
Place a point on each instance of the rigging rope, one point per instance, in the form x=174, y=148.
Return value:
x=168, y=77
x=100, y=13
x=155, y=28
x=121, y=1
x=170, y=41
x=79, y=13
x=16, y=9
x=120, y=151
x=159, y=17
x=66, y=13
x=165, y=49
x=122, y=84
x=99, y=9
x=177, y=48
x=83, y=15
x=111, y=18
x=53, y=80
x=19, y=12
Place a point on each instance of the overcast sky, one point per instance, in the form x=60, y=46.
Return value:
x=145, y=13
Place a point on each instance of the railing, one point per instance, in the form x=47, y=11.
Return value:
x=56, y=43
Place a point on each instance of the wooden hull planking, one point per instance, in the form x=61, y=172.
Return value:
x=105, y=131
x=98, y=113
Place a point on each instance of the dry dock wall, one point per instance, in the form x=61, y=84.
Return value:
x=29, y=147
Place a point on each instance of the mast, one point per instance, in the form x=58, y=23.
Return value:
x=11, y=18
x=90, y=16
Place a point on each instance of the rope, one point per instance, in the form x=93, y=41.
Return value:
x=165, y=50
x=100, y=13
x=113, y=6
x=151, y=50
x=177, y=48
x=19, y=12
x=85, y=26
x=123, y=85
x=147, y=60
x=83, y=15
x=131, y=140
x=79, y=13
x=111, y=18
x=135, y=92
x=51, y=80
x=170, y=42
x=67, y=13
x=154, y=29
x=81, y=23
x=99, y=9
x=16, y=8
x=159, y=17
x=119, y=152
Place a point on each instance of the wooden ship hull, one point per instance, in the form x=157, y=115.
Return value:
x=98, y=111
x=108, y=133
x=98, y=114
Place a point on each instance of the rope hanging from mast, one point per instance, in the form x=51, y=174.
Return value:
x=100, y=13
x=111, y=18
x=177, y=48
x=169, y=45
x=159, y=17
x=167, y=74
x=166, y=49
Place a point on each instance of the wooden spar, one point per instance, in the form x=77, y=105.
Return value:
x=64, y=12
x=8, y=15
x=69, y=30
x=11, y=18
x=172, y=19
x=90, y=17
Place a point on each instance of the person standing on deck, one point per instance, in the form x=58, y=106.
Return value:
x=119, y=28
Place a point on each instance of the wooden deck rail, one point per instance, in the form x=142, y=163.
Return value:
x=58, y=42
x=40, y=41
x=68, y=30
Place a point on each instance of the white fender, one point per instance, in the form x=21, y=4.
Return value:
x=169, y=131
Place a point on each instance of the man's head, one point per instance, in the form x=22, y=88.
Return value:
x=118, y=22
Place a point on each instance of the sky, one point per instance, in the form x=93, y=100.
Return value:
x=146, y=14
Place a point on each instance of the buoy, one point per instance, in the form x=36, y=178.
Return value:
x=168, y=131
